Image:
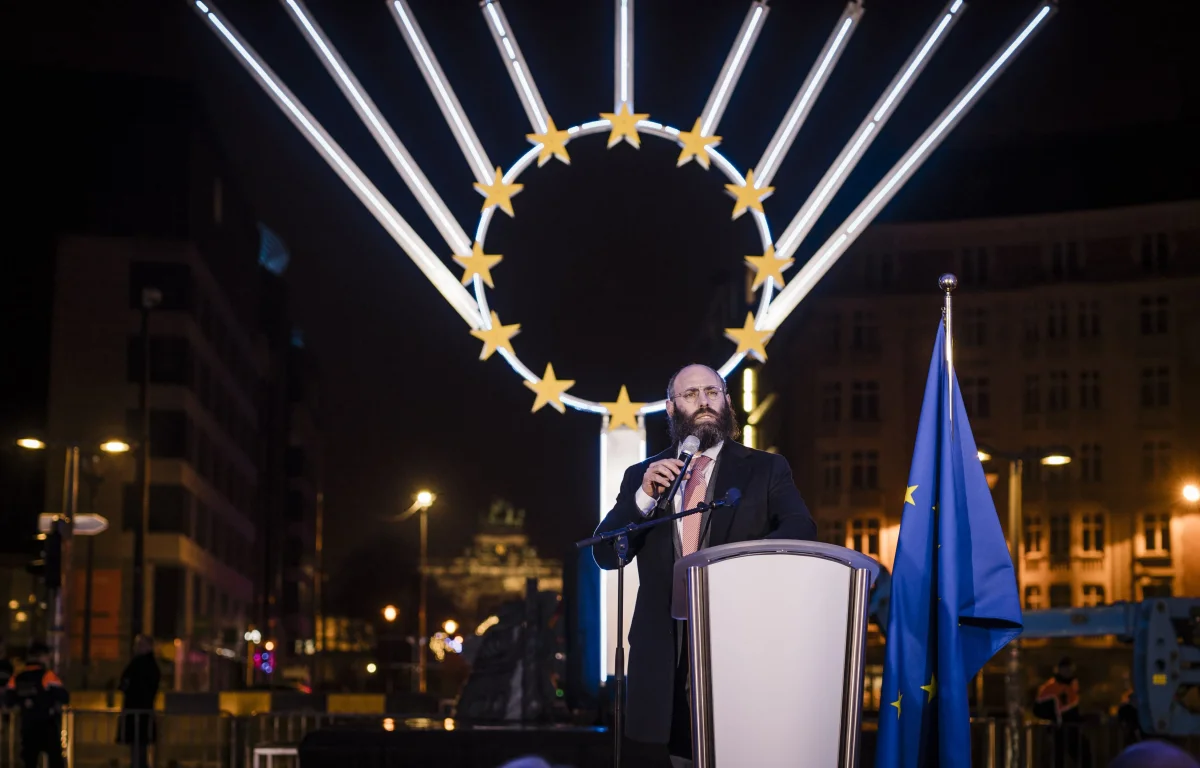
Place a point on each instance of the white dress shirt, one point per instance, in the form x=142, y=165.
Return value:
x=645, y=502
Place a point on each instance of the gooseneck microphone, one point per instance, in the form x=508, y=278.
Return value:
x=687, y=450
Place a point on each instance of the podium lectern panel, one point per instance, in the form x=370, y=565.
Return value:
x=776, y=632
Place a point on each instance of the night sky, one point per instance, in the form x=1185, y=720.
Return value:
x=611, y=264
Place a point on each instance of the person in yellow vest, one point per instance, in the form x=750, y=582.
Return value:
x=1058, y=698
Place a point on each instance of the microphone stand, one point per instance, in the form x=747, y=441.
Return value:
x=620, y=541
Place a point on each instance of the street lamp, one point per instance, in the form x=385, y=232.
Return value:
x=31, y=443
x=115, y=446
x=423, y=501
x=451, y=626
x=390, y=613
x=1191, y=493
x=1016, y=462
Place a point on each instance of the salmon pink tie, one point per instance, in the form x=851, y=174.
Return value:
x=693, y=493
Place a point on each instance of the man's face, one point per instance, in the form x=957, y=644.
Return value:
x=700, y=406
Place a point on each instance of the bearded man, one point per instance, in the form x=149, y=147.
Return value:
x=657, y=707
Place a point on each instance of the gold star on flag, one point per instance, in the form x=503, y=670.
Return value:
x=622, y=412
x=553, y=144
x=694, y=146
x=478, y=263
x=499, y=193
x=624, y=126
x=896, y=704
x=747, y=195
x=749, y=339
x=497, y=337
x=931, y=689
x=550, y=390
x=768, y=267
x=908, y=495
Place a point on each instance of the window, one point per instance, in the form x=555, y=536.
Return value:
x=170, y=432
x=879, y=270
x=173, y=280
x=1156, y=532
x=973, y=266
x=1060, y=595
x=1056, y=320
x=864, y=401
x=864, y=535
x=865, y=336
x=1091, y=463
x=1163, y=587
x=1065, y=260
x=169, y=584
x=864, y=474
x=1056, y=393
x=977, y=396
x=1033, y=598
x=1060, y=537
x=1033, y=395
x=1156, y=252
x=831, y=471
x=1089, y=390
x=1093, y=595
x=831, y=402
x=975, y=327
x=1089, y=319
x=1156, y=387
x=834, y=532
x=1154, y=315
x=1091, y=531
x=170, y=360
x=831, y=338
x=1033, y=535
x=170, y=508
x=1032, y=322
x=1156, y=460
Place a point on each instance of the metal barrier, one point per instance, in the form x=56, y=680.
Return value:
x=227, y=741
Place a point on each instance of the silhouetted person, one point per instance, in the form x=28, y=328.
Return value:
x=139, y=683
x=1154, y=754
x=40, y=697
x=1058, y=700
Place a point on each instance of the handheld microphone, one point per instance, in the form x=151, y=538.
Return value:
x=687, y=450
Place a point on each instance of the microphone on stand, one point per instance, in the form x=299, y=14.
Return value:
x=687, y=450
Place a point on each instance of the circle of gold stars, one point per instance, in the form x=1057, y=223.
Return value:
x=623, y=127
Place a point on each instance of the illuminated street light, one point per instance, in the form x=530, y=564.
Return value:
x=390, y=613
x=269, y=645
x=1191, y=493
x=115, y=446
x=1055, y=459
x=424, y=499
x=451, y=626
x=31, y=443
x=371, y=668
x=984, y=455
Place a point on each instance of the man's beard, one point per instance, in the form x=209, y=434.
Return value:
x=710, y=431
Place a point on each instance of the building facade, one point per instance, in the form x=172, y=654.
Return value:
x=1074, y=333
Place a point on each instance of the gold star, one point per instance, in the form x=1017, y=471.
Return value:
x=498, y=193
x=550, y=390
x=931, y=689
x=478, y=263
x=497, y=337
x=749, y=339
x=768, y=267
x=554, y=143
x=694, y=146
x=896, y=704
x=747, y=195
x=624, y=126
x=908, y=495
x=623, y=412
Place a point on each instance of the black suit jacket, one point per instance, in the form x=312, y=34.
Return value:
x=770, y=508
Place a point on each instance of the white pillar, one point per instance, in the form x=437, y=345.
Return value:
x=619, y=449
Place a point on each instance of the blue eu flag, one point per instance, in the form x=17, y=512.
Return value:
x=954, y=599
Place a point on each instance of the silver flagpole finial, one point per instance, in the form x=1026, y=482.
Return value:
x=948, y=283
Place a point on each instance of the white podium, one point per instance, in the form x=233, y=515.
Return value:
x=776, y=634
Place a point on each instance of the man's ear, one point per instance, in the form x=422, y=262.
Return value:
x=670, y=409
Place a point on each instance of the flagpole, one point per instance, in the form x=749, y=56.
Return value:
x=948, y=283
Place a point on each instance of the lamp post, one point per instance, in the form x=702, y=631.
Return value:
x=62, y=530
x=423, y=501
x=151, y=298
x=1012, y=673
